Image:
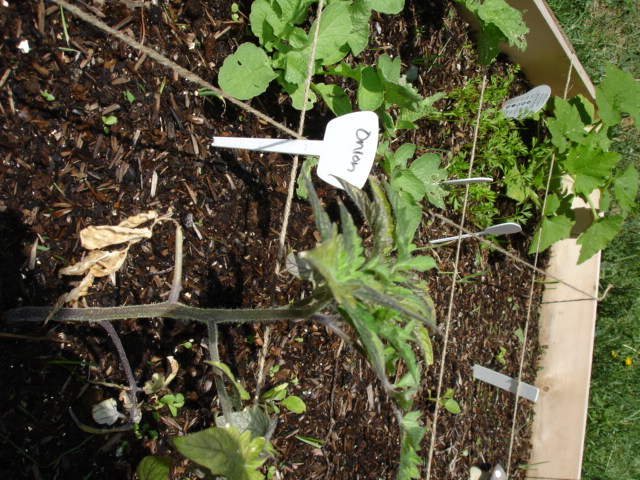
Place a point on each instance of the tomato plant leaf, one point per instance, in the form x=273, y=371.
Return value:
x=224, y=451
x=598, y=236
x=154, y=468
x=625, y=188
x=550, y=230
x=618, y=92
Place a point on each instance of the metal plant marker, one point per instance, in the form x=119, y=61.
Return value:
x=506, y=383
x=500, y=229
x=347, y=150
x=466, y=181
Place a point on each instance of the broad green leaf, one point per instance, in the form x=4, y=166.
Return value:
x=390, y=7
x=370, y=90
x=399, y=159
x=550, y=230
x=276, y=393
x=566, y=126
x=402, y=94
x=246, y=73
x=407, y=181
x=360, y=11
x=408, y=215
x=618, y=92
x=625, y=187
x=598, y=236
x=552, y=205
x=265, y=23
x=251, y=419
x=224, y=451
x=335, y=98
x=333, y=34
x=389, y=69
x=296, y=92
x=344, y=70
x=154, y=468
x=294, y=403
x=590, y=167
x=451, y=406
x=427, y=169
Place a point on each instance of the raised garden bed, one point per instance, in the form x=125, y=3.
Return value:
x=65, y=167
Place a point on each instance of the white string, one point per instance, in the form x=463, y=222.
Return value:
x=292, y=181
x=523, y=348
x=443, y=356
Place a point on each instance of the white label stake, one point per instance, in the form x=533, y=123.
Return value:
x=500, y=229
x=527, y=104
x=504, y=382
x=347, y=151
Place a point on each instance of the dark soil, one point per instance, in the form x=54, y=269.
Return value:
x=61, y=171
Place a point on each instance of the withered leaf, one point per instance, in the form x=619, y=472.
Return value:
x=101, y=236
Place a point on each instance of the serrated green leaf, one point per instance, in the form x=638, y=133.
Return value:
x=590, y=167
x=550, y=230
x=567, y=125
x=154, y=468
x=406, y=181
x=246, y=73
x=224, y=451
x=307, y=165
x=427, y=169
x=390, y=7
x=598, y=236
x=294, y=404
x=370, y=90
x=618, y=92
x=499, y=22
x=408, y=215
x=350, y=239
x=335, y=98
x=552, y=205
x=625, y=188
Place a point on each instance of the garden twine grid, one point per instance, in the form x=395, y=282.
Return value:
x=186, y=74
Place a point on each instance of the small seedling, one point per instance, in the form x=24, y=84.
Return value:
x=128, y=96
x=172, y=401
x=277, y=397
x=47, y=96
x=234, y=12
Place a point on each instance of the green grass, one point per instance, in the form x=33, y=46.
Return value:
x=602, y=31
x=613, y=428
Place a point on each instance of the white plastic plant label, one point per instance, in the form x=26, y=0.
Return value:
x=526, y=105
x=347, y=150
x=350, y=144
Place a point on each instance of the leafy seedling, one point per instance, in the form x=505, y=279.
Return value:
x=347, y=150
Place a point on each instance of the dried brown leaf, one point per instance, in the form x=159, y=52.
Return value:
x=98, y=263
x=95, y=237
x=139, y=219
x=81, y=290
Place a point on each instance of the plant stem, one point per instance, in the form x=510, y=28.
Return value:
x=225, y=403
x=134, y=412
x=174, y=310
